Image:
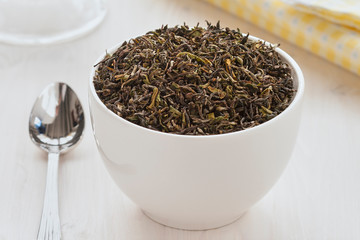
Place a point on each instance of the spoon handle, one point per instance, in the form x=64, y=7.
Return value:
x=50, y=221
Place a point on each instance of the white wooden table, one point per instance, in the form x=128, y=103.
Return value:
x=318, y=196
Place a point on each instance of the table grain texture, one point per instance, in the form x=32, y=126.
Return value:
x=317, y=197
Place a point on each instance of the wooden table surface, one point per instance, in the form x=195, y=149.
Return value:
x=318, y=196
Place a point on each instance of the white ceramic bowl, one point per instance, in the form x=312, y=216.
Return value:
x=196, y=182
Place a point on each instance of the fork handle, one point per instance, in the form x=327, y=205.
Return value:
x=50, y=228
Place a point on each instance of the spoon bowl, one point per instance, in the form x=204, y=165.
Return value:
x=56, y=125
x=57, y=120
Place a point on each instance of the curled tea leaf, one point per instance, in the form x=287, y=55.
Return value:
x=194, y=80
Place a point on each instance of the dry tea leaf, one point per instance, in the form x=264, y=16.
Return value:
x=195, y=81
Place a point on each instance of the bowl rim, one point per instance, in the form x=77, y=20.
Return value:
x=298, y=75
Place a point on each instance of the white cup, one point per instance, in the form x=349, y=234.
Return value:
x=196, y=182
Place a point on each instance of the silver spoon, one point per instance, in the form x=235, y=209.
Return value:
x=56, y=124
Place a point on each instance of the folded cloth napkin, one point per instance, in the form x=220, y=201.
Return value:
x=344, y=12
x=334, y=42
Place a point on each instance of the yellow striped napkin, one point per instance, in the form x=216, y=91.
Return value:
x=336, y=43
x=344, y=12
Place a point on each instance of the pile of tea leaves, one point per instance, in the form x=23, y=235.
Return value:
x=194, y=81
